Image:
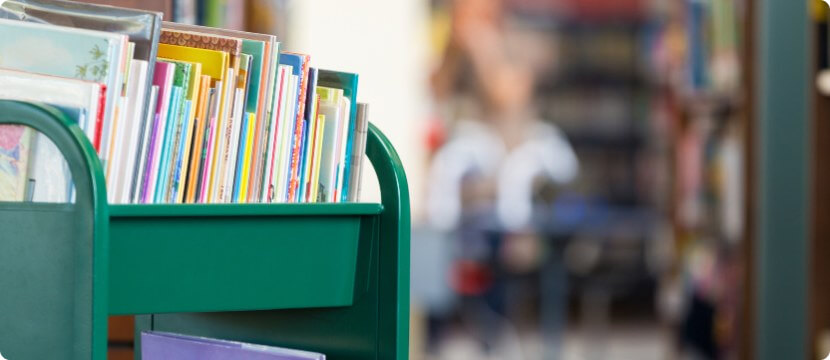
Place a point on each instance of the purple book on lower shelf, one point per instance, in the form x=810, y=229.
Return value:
x=167, y=346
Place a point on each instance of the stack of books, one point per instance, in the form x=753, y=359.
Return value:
x=177, y=113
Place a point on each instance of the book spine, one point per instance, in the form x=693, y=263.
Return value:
x=298, y=131
x=145, y=189
x=99, y=118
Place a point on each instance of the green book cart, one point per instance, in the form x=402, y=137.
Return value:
x=331, y=278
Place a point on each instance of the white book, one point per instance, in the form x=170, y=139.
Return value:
x=273, y=135
x=126, y=144
x=239, y=107
x=224, y=128
x=110, y=166
x=206, y=194
x=287, y=124
x=328, y=153
x=343, y=140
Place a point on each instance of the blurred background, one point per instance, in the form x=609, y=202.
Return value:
x=577, y=168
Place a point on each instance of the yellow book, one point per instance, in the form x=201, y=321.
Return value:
x=214, y=63
x=246, y=164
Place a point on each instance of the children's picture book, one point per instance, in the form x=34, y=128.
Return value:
x=85, y=54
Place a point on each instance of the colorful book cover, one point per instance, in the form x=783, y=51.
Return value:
x=198, y=40
x=214, y=63
x=15, y=142
x=85, y=54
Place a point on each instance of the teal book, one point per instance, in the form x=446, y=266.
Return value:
x=256, y=49
x=348, y=83
x=84, y=54
x=181, y=78
x=163, y=171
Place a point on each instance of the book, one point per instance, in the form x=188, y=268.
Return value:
x=310, y=121
x=360, y=135
x=15, y=142
x=267, y=192
x=347, y=82
x=56, y=90
x=128, y=141
x=49, y=179
x=168, y=346
x=330, y=107
x=163, y=78
x=198, y=40
x=142, y=27
x=85, y=54
x=197, y=144
x=142, y=155
x=300, y=65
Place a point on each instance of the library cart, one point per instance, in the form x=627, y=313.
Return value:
x=331, y=278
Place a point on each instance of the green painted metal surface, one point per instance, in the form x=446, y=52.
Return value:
x=783, y=155
x=53, y=257
x=172, y=258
